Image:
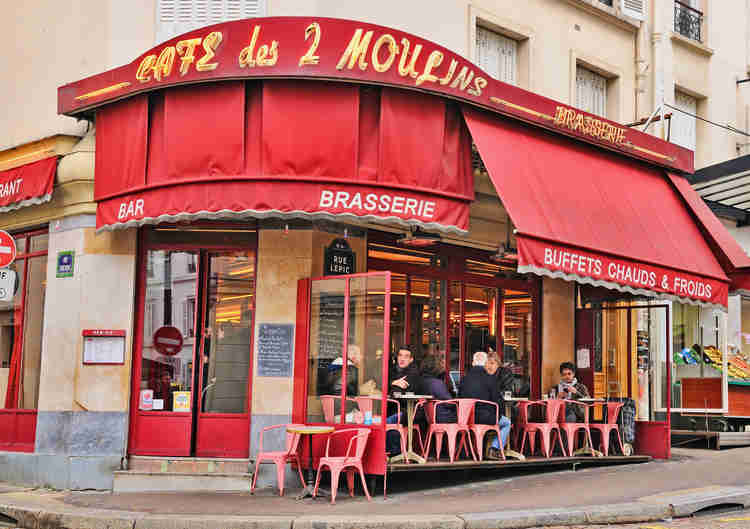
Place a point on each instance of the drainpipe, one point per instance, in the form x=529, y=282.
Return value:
x=642, y=67
x=659, y=39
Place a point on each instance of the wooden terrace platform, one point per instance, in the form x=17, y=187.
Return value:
x=530, y=462
x=716, y=439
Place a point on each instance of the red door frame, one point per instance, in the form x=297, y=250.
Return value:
x=652, y=437
x=374, y=458
x=456, y=272
x=18, y=425
x=181, y=422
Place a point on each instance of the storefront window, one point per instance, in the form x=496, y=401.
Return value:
x=480, y=319
x=427, y=327
x=228, y=330
x=517, y=328
x=167, y=357
x=348, y=369
x=453, y=317
x=698, y=363
x=21, y=324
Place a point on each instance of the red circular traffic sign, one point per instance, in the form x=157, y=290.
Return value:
x=7, y=249
x=168, y=340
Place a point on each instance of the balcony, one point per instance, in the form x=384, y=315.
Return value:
x=687, y=21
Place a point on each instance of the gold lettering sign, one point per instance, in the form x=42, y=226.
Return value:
x=363, y=44
x=570, y=118
x=160, y=66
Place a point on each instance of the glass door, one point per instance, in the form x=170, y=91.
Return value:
x=193, y=351
x=164, y=419
x=224, y=355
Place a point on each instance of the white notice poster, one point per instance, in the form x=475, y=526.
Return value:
x=103, y=349
x=583, y=358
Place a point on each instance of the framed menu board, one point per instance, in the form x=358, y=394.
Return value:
x=103, y=346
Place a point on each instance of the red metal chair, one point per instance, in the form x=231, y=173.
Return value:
x=546, y=429
x=480, y=430
x=464, y=409
x=605, y=429
x=328, y=402
x=280, y=458
x=336, y=464
x=572, y=429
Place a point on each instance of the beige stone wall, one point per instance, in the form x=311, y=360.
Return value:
x=283, y=259
x=101, y=297
x=558, y=328
x=54, y=43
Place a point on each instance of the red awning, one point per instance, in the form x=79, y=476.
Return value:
x=27, y=184
x=586, y=215
x=283, y=149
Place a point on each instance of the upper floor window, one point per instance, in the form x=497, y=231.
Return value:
x=688, y=19
x=174, y=17
x=683, y=123
x=591, y=91
x=497, y=55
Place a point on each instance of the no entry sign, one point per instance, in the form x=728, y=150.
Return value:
x=168, y=340
x=7, y=249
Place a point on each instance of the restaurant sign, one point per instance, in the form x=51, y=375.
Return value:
x=635, y=277
x=325, y=48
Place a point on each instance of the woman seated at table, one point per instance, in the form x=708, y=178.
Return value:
x=571, y=389
x=433, y=383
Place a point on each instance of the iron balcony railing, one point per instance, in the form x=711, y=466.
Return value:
x=687, y=21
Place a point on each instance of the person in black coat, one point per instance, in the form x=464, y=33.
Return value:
x=478, y=384
x=481, y=383
x=403, y=377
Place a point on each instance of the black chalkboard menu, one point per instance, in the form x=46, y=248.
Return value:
x=331, y=334
x=275, y=349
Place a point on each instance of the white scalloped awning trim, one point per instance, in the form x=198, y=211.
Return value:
x=227, y=214
x=28, y=202
x=556, y=274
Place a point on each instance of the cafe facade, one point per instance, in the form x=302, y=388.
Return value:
x=272, y=191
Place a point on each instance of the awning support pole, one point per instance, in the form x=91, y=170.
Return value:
x=651, y=117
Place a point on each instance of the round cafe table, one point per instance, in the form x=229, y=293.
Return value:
x=411, y=402
x=587, y=450
x=309, y=431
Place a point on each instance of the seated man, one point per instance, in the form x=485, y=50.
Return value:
x=404, y=376
x=480, y=383
x=570, y=388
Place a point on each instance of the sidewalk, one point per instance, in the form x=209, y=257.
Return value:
x=652, y=491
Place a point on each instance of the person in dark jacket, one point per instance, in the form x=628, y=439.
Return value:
x=433, y=383
x=335, y=372
x=503, y=383
x=570, y=388
x=480, y=384
x=403, y=377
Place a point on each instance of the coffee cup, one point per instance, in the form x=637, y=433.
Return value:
x=508, y=395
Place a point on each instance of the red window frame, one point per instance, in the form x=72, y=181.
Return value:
x=18, y=425
x=455, y=270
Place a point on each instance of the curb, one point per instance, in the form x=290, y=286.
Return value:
x=667, y=506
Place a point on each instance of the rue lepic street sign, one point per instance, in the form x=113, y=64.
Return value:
x=339, y=259
x=7, y=276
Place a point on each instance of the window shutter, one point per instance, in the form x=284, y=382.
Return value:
x=175, y=17
x=496, y=55
x=683, y=126
x=591, y=91
x=634, y=8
